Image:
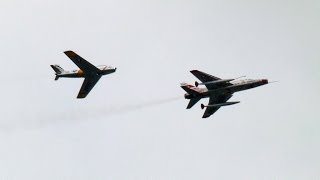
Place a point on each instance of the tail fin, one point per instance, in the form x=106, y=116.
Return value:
x=190, y=89
x=57, y=69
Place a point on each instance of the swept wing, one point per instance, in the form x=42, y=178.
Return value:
x=215, y=100
x=91, y=73
x=204, y=77
x=84, y=65
x=87, y=85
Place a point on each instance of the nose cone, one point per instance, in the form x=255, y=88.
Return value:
x=264, y=81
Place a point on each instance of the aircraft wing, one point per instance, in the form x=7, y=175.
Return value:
x=204, y=77
x=215, y=100
x=84, y=65
x=87, y=85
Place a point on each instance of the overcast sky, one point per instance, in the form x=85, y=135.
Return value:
x=133, y=124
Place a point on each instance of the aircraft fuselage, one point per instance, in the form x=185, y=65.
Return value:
x=235, y=87
x=80, y=74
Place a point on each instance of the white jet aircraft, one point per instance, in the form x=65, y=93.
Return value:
x=218, y=90
x=89, y=72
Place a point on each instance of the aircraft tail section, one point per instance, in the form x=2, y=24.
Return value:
x=190, y=89
x=58, y=70
x=192, y=94
x=192, y=102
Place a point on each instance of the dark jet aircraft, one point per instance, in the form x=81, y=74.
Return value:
x=218, y=90
x=89, y=72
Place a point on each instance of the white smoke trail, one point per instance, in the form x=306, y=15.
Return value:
x=97, y=113
x=134, y=107
x=55, y=117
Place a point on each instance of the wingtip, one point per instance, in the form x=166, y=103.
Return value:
x=205, y=116
x=81, y=96
x=69, y=53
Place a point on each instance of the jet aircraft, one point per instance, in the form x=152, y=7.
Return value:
x=218, y=90
x=89, y=72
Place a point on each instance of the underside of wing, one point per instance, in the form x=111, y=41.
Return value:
x=84, y=65
x=204, y=77
x=215, y=100
x=87, y=85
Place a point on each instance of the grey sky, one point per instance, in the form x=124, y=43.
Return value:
x=46, y=133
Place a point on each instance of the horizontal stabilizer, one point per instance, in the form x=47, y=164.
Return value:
x=192, y=102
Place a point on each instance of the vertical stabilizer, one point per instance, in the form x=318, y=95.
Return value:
x=190, y=89
x=58, y=70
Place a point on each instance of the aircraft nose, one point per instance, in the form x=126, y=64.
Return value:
x=265, y=81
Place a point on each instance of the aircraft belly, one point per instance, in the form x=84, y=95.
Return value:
x=218, y=92
x=243, y=87
x=236, y=88
x=207, y=94
x=71, y=75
